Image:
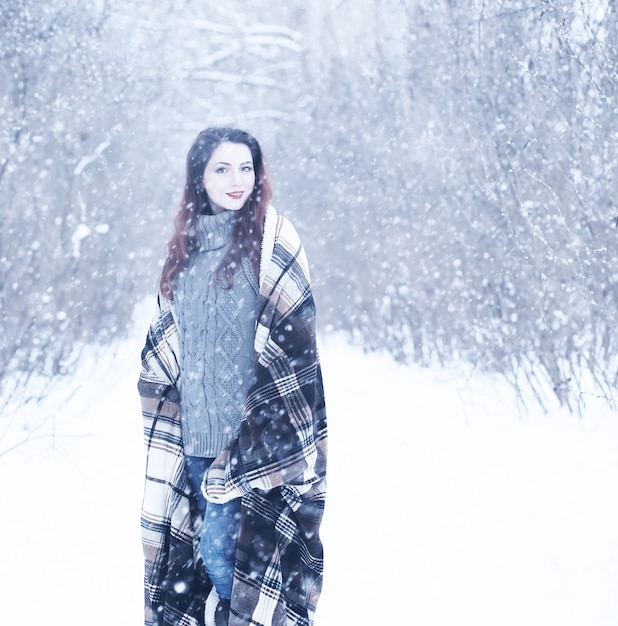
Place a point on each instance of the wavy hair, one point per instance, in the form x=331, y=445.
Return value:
x=248, y=232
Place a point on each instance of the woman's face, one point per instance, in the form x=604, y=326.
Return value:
x=229, y=177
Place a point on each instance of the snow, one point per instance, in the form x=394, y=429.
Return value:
x=81, y=232
x=447, y=504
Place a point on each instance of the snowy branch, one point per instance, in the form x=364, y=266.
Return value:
x=87, y=160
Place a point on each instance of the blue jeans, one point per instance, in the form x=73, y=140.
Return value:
x=220, y=530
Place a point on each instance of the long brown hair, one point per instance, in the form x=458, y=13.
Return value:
x=247, y=235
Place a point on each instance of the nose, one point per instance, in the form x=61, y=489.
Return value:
x=235, y=177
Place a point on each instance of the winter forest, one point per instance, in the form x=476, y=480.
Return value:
x=449, y=164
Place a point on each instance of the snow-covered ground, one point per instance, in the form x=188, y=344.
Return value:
x=447, y=505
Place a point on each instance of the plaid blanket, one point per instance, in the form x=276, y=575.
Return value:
x=276, y=465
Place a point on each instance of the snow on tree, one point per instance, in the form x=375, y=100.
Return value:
x=449, y=165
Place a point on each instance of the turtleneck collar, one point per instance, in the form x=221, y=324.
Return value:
x=215, y=231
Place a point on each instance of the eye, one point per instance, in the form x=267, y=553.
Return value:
x=246, y=168
x=221, y=170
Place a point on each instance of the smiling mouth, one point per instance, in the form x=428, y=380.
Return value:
x=236, y=195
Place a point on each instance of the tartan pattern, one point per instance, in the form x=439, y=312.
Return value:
x=277, y=465
x=175, y=588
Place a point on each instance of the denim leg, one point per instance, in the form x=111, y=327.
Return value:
x=218, y=544
x=220, y=530
x=197, y=467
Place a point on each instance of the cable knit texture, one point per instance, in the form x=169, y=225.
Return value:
x=217, y=329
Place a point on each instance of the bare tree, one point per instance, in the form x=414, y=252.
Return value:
x=463, y=157
x=451, y=165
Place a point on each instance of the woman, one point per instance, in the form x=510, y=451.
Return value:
x=233, y=405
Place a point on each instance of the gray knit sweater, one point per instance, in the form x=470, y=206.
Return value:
x=216, y=328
